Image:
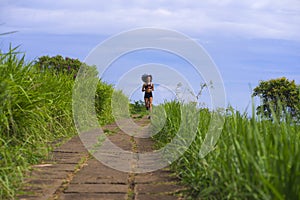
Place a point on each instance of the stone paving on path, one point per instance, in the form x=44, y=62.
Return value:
x=72, y=174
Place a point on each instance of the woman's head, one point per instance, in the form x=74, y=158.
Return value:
x=147, y=78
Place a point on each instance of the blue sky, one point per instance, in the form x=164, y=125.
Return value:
x=248, y=40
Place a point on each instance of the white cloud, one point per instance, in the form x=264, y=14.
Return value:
x=259, y=19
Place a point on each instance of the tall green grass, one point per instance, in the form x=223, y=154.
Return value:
x=35, y=112
x=253, y=159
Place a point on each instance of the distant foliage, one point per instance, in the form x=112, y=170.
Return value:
x=59, y=64
x=279, y=97
x=137, y=107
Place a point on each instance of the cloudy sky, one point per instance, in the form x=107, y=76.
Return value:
x=248, y=40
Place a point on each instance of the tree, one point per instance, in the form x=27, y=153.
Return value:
x=278, y=96
x=59, y=64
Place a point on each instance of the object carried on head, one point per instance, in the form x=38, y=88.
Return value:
x=145, y=76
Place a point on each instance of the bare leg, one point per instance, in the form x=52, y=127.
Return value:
x=150, y=104
x=146, y=103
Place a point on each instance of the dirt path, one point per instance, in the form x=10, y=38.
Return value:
x=73, y=174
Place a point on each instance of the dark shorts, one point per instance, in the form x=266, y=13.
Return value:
x=148, y=95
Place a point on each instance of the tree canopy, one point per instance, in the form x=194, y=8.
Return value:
x=59, y=64
x=278, y=96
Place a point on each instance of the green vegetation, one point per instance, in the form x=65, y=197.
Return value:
x=278, y=96
x=36, y=112
x=109, y=132
x=253, y=159
x=59, y=64
x=137, y=109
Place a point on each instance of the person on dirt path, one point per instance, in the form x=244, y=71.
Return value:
x=148, y=87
